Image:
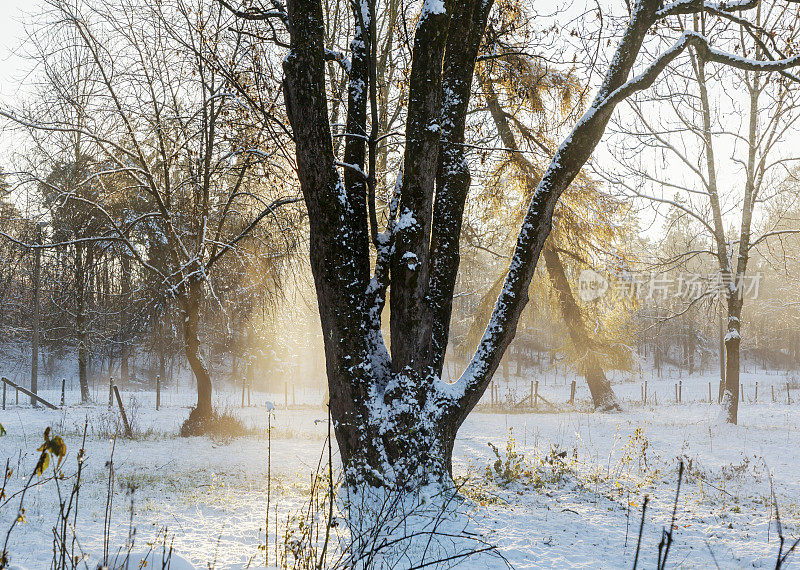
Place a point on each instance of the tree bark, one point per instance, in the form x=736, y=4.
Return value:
x=82, y=263
x=395, y=420
x=190, y=309
x=730, y=399
x=124, y=324
x=410, y=265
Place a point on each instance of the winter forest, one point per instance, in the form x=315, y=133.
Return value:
x=376, y=284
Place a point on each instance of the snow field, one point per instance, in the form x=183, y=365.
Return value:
x=579, y=510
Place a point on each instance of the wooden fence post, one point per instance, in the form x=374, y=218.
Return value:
x=110, y=391
x=773, y=393
x=572, y=393
x=128, y=431
x=27, y=392
x=788, y=395
x=63, y=389
x=680, y=391
x=709, y=392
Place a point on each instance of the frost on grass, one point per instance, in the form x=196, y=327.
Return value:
x=554, y=489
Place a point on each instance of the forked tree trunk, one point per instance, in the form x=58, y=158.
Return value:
x=603, y=395
x=395, y=420
x=734, y=274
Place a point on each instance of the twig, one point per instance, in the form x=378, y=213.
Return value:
x=641, y=531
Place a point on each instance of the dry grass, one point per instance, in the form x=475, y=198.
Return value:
x=222, y=423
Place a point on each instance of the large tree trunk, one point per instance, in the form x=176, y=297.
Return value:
x=190, y=311
x=602, y=394
x=395, y=420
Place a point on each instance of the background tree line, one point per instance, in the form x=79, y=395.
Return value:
x=159, y=164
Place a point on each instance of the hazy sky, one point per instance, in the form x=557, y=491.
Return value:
x=12, y=65
x=11, y=34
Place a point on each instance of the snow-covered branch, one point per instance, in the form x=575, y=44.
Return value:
x=338, y=57
x=697, y=6
x=252, y=14
x=700, y=43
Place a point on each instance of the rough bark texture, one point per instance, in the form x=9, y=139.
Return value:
x=337, y=235
x=410, y=267
x=395, y=420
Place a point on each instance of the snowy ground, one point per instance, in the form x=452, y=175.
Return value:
x=582, y=511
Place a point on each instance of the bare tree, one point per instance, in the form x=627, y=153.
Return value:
x=194, y=176
x=395, y=420
x=693, y=133
x=75, y=223
x=530, y=173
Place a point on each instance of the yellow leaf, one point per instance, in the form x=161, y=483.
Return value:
x=42, y=464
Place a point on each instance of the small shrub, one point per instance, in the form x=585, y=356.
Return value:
x=221, y=423
x=635, y=451
x=509, y=468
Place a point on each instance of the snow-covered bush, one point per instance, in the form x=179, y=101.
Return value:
x=222, y=423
